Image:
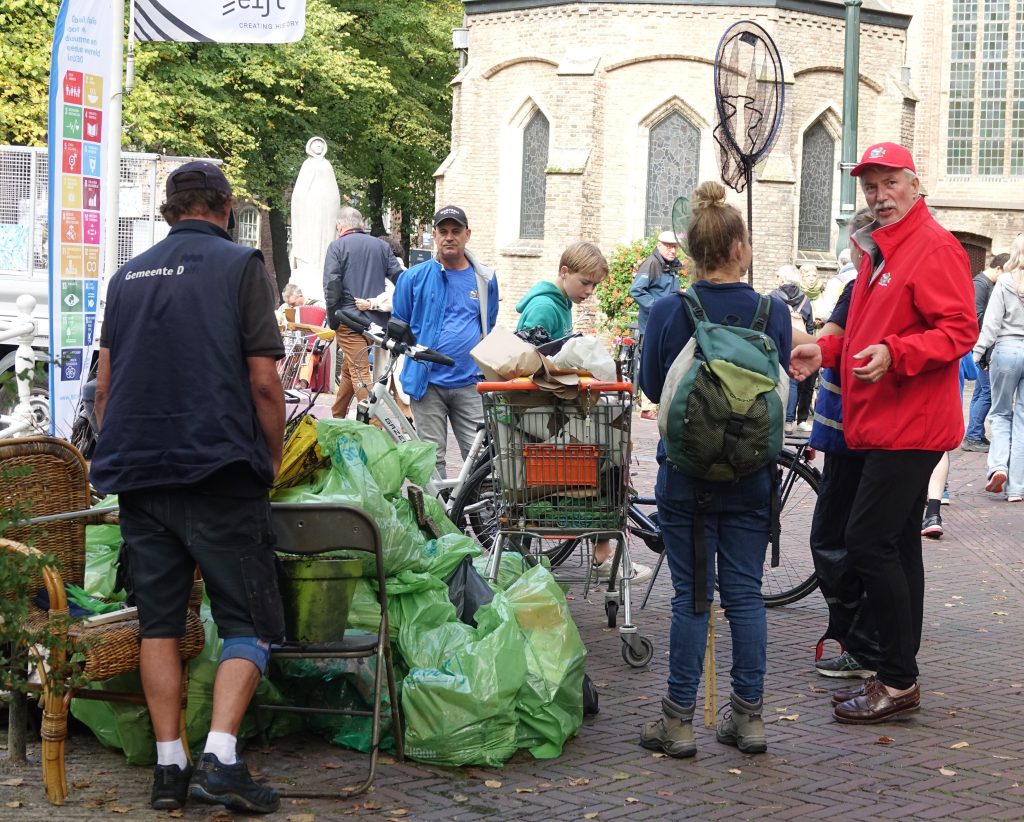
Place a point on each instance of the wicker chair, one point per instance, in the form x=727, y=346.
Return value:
x=57, y=483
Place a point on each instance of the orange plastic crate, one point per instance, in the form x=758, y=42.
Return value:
x=561, y=465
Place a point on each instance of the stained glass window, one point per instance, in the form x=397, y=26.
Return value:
x=673, y=159
x=535, y=163
x=816, y=176
x=984, y=107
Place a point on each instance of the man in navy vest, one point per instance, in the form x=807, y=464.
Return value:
x=192, y=425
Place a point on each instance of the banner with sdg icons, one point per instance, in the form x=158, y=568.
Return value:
x=83, y=74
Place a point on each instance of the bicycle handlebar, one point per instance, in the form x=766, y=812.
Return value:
x=377, y=335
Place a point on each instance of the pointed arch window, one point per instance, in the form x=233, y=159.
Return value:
x=534, y=179
x=673, y=160
x=819, y=148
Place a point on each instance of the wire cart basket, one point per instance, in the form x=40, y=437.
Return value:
x=560, y=476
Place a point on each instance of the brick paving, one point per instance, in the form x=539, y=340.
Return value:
x=959, y=758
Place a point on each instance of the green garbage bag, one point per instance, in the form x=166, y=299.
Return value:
x=444, y=554
x=510, y=568
x=549, y=706
x=459, y=709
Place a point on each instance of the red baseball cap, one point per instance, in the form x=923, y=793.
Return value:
x=891, y=155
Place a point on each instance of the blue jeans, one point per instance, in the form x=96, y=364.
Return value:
x=981, y=401
x=794, y=388
x=736, y=528
x=1007, y=416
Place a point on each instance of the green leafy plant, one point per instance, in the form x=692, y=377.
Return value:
x=613, y=298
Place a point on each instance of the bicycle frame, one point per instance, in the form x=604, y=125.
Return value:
x=381, y=406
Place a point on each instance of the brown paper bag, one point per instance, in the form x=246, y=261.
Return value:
x=501, y=355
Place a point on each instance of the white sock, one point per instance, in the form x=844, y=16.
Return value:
x=222, y=746
x=171, y=753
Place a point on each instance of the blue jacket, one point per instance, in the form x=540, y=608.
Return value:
x=827, y=429
x=419, y=299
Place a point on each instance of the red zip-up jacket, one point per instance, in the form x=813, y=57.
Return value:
x=921, y=305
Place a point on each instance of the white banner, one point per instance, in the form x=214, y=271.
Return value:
x=223, y=21
x=84, y=71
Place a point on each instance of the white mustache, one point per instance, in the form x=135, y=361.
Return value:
x=884, y=205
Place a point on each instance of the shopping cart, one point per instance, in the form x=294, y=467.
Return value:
x=560, y=473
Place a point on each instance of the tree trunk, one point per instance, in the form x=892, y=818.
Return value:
x=279, y=242
x=17, y=722
x=375, y=196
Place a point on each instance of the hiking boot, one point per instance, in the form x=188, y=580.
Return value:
x=742, y=726
x=932, y=527
x=996, y=481
x=673, y=733
x=843, y=666
x=974, y=445
x=231, y=785
x=170, y=787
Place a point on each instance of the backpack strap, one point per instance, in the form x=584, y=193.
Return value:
x=694, y=307
x=764, y=309
x=700, y=552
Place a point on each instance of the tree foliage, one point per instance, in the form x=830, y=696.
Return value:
x=370, y=77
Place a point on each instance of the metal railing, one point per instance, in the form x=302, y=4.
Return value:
x=22, y=420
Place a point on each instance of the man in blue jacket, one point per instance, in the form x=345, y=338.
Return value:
x=451, y=303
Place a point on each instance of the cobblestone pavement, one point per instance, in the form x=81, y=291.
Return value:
x=959, y=758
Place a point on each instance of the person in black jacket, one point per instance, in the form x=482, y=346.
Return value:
x=355, y=267
x=981, y=399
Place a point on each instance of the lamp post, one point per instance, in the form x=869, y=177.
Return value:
x=460, y=42
x=851, y=73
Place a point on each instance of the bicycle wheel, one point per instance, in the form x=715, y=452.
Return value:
x=474, y=514
x=794, y=578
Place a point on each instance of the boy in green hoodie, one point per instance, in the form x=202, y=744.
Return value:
x=549, y=305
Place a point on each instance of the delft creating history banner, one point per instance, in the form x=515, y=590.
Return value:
x=226, y=21
x=83, y=73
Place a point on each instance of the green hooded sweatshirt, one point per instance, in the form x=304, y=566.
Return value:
x=546, y=306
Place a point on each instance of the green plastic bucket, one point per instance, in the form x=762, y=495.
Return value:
x=317, y=594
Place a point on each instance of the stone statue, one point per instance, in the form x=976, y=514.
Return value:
x=315, y=204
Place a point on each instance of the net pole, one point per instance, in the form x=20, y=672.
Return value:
x=748, y=171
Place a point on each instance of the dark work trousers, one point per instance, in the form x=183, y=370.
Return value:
x=805, y=397
x=884, y=541
x=849, y=619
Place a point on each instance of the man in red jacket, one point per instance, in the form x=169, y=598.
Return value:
x=911, y=319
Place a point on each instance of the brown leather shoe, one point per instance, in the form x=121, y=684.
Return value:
x=875, y=705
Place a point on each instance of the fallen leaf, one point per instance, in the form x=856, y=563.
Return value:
x=816, y=690
x=1000, y=613
x=81, y=783
x=959, y=745
x=591, y=815
x=330, y=765
x=789, y=718
x=119, y=809
x=659, y=755
x=12, y=783
x=618, y=776
x=736, y=771
x=947, y=772
x=399, y=812
x=460, y=797
x=492, y=783
x=177, y=813
x=884, y=740
x=370, y=805
x=580, y=780
x=545, y=785
x=600, y=684
x=14, y=804
x=631, y=800
x=300, y=802
x=301, y=817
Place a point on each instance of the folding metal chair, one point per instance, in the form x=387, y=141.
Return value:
x=316, y=528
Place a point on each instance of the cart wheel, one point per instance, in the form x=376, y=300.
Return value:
x=637, y=657
x=611, y=608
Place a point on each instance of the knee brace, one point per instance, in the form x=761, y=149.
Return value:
x=250, y=648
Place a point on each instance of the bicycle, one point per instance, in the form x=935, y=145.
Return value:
x=790, y=581
x=395, y=341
